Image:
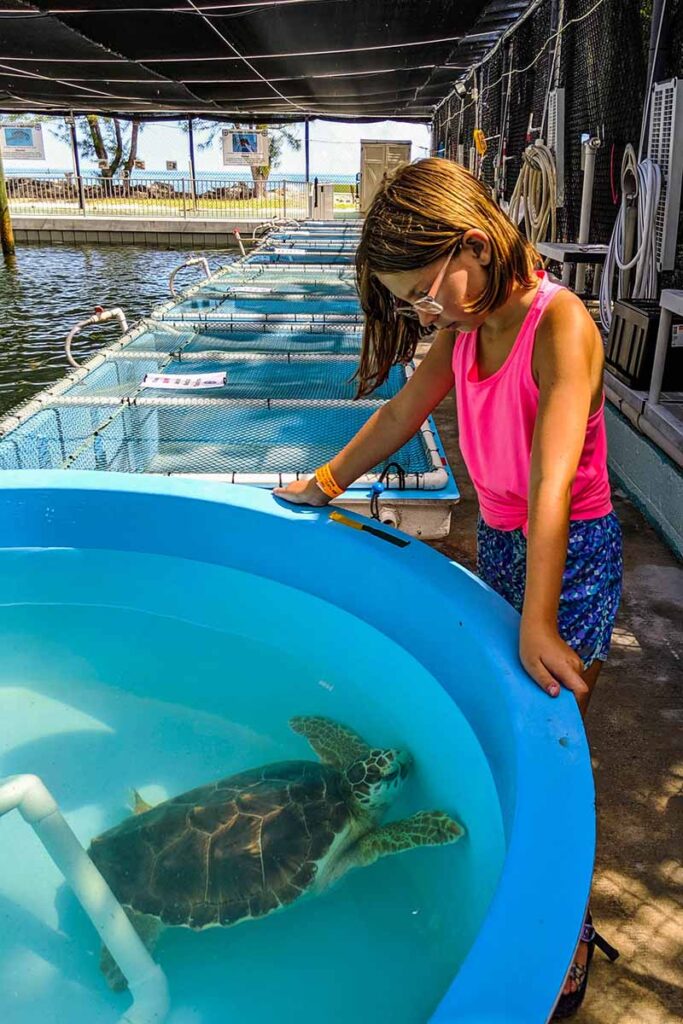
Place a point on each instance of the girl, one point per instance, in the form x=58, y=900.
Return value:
x=438, y=255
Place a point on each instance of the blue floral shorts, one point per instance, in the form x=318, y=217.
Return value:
x=591, y=585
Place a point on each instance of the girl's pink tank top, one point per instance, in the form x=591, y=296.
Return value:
x=496, y=420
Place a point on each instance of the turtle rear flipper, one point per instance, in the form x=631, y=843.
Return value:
x=335, y=744
x=149, y=929
x=138, y=805
x=427, y=828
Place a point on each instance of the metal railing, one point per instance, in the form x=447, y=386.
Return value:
x=149, y=196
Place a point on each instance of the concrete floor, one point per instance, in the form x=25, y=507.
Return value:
x=635, y=725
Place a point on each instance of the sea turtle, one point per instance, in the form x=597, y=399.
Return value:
x=251, y=844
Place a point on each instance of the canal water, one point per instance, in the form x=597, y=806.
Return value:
x=48, y=289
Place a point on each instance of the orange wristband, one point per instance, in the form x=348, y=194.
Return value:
x=326, y=482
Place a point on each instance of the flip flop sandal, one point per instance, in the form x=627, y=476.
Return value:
x=567, y=1005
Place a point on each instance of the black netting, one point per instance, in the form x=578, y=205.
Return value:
x=673, y=68
x=601, y=62
x=603, y=70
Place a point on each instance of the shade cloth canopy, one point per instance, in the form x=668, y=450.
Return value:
x=244, y=60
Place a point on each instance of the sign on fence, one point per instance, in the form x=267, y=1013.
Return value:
x=245, y=147
x=21, y=142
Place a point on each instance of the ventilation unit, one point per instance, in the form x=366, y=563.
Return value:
x=556, y=137
x=665, y=147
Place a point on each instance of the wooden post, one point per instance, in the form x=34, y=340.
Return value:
x=6, y=232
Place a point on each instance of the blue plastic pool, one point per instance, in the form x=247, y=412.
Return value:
x=253, y=308
x=159, y=634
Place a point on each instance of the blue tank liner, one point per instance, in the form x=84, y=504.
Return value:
x=312, y=241
x=243, y=272
x=328, y=248
x=308, y=236
x=294, y=285
x=258, y=378
x=244, y=291
x=249, y=337
x=302, y=404
x=207, y=308
x=294, y=258
x=311, y=342
x=458, y=629
x=266, y=440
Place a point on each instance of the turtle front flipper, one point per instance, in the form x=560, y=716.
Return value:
x=427, y=828
x=335, y=744
x=148, y=928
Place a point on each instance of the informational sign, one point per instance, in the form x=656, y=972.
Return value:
x=252, y=289
x=245, y=147
x=21, y=142
x=184, y=381
x=171, y=165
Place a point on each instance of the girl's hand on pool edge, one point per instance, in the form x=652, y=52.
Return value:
x=303, y=492
x=549, y=660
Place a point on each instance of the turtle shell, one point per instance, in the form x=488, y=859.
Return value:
x=238, y=848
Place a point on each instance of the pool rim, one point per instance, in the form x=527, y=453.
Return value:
x=519, y=987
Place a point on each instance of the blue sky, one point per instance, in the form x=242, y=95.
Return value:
x=335, y=147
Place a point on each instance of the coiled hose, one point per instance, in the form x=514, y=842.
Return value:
x=536, y=189
x=644, y=182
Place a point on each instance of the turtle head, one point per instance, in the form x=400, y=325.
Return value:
x=376, y=779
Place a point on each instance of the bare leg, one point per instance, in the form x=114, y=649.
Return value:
x=590, y=677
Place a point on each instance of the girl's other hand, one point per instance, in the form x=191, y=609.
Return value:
x=549, y=660
x=303, y=492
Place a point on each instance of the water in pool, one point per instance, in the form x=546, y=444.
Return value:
x=122, y=671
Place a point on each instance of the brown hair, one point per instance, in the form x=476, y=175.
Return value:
x=418, y=215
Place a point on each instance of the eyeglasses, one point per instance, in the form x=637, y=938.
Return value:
x=428, y=304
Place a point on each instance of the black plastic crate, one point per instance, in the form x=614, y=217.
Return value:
x=630, y=349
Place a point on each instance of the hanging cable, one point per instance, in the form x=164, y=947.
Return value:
x=518, y=71
x=534, y=198
x=643, y=182
x=245, y=59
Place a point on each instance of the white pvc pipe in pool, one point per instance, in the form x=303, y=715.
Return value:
x=146, y=981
